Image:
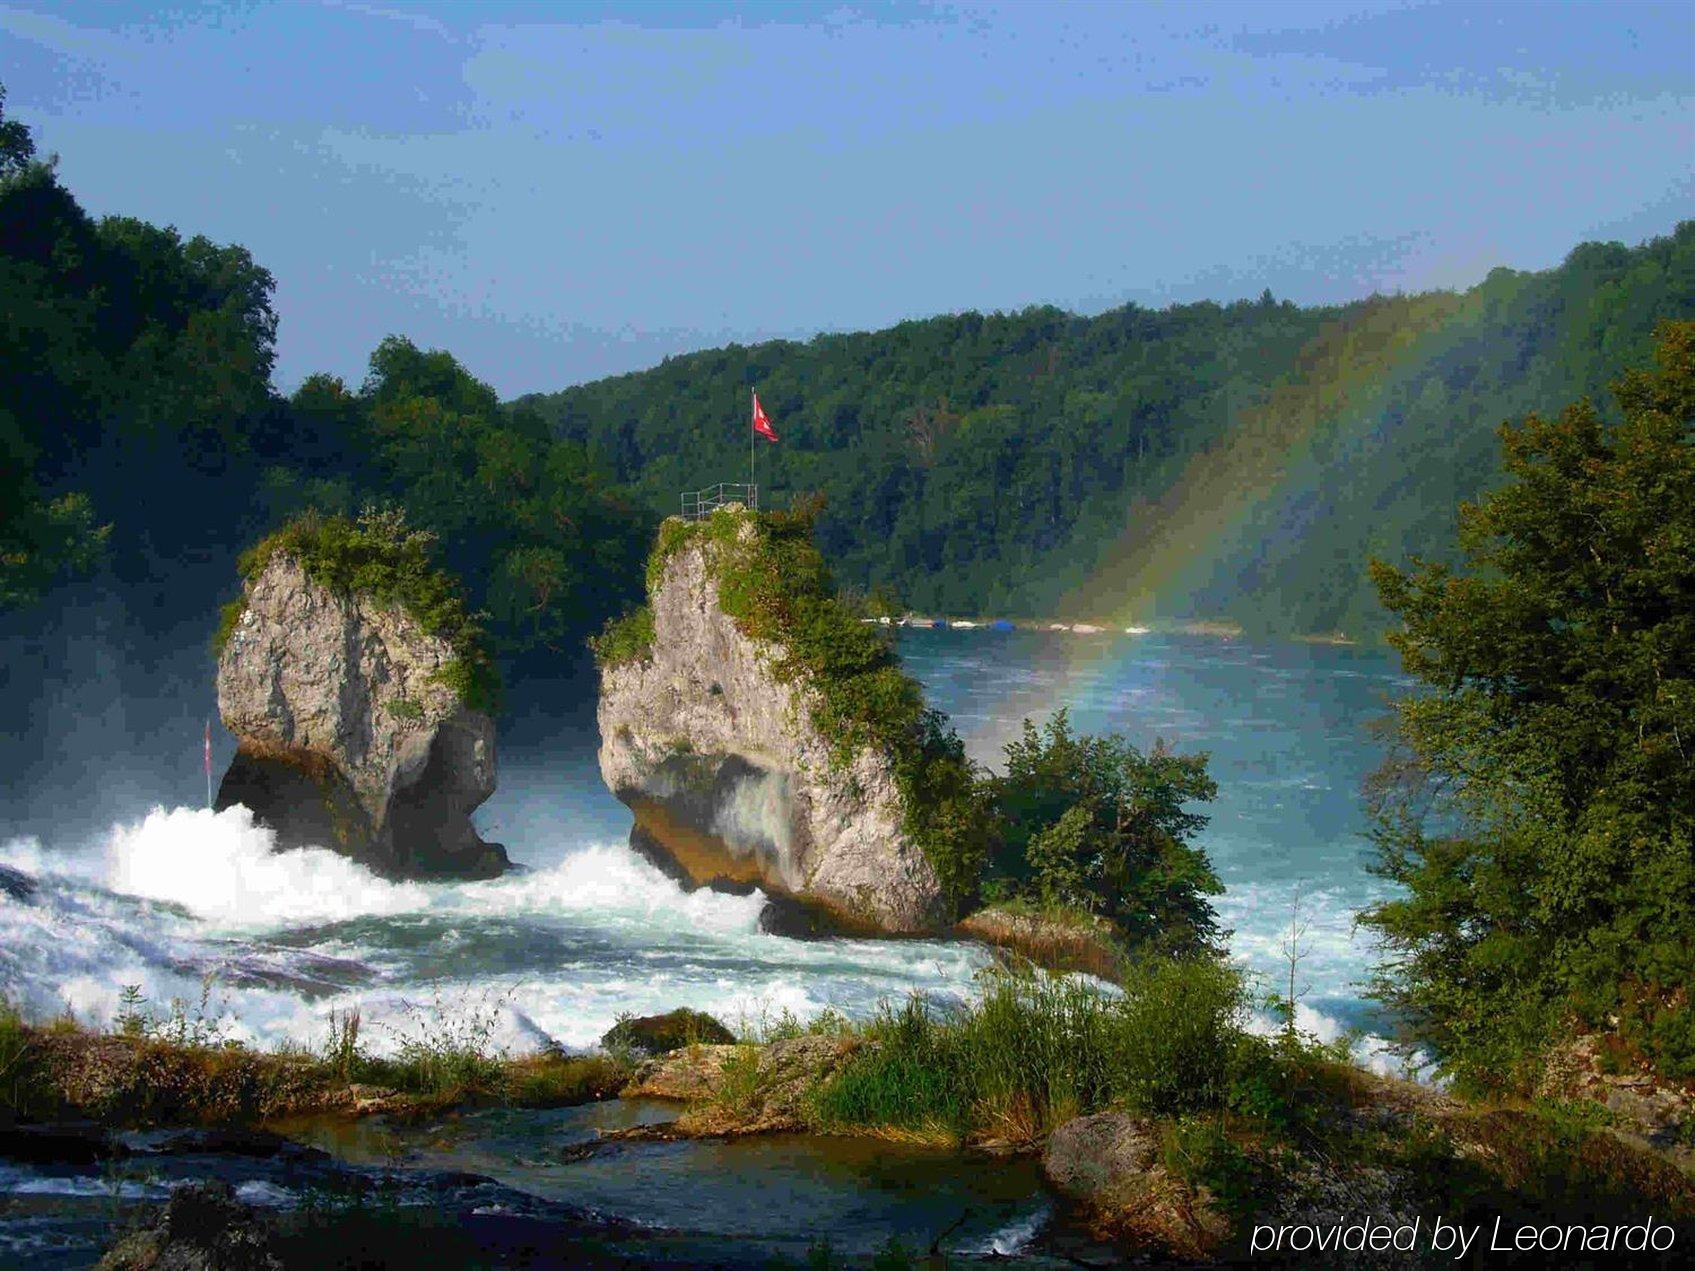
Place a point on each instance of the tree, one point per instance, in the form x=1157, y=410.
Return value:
x=1092, y=823
x=1537, y=814
x=17, y=147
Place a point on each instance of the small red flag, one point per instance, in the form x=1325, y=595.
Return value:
x=761, y=424
x=208, y=749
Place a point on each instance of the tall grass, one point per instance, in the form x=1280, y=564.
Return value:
x=1034, y=1051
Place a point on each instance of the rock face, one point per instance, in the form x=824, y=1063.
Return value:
x=348, y=738
x=1109, y=1167
x=731, y=781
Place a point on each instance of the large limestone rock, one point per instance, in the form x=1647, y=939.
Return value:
x=730, y=780
x=348, y=738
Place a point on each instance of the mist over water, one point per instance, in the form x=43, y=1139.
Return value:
x=174, y=899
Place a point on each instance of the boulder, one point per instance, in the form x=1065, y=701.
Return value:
x=661, y=1034
x=732, y=782
x=738, y=1090
x=1109, y=1167
x=688, y=1074
x=203, y=1228
x=1078, y=942
x=349, y=735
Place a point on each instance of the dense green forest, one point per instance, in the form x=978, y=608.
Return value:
x=1239, y=461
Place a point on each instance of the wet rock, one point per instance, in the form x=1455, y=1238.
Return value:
x=16, y=884
x=1109, y=1167
x=349, y=736
x=203, y=1228
x=731, y=780
x=660, y=1034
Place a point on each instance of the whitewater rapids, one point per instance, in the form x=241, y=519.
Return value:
x=187, y=903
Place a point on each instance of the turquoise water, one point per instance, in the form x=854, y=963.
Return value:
x=1288, y=728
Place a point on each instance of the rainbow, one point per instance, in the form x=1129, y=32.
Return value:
x=1168, y=545
x=1337, y=380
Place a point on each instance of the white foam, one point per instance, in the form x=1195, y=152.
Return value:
x=184, y=892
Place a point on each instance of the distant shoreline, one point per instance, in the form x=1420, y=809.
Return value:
x=1197, y=627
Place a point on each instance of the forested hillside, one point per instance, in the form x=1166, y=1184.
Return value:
x=1239, y=462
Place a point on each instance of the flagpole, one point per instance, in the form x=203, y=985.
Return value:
x=752, y=490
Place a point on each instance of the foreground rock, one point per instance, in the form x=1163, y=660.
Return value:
x=1110, y=1167
x=203, y=1228
x=739, y=1090
x=731, y=781
x=1641, y=1104
x=350, y=735
x=1078, y=943
x=660, y=1034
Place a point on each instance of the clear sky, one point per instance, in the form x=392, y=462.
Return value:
x=559, y=192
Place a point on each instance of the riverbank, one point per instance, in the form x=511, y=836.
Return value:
x=1165, y=1129
x=180, y=1072
x=1159, y=1126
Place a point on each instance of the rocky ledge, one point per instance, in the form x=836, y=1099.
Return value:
x=733, y=782
x=351, y=735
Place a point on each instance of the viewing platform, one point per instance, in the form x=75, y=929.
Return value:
x=700, y=504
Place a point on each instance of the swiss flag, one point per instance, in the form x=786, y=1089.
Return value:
x=761, y=424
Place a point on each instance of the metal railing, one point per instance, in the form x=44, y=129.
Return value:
x=699, y=504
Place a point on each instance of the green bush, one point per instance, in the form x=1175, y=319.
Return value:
x=625, y=639
x=1536, y=816
x=1091, y=823
x=1033, y=1051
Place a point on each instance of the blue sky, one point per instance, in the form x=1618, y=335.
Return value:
x=559, y=192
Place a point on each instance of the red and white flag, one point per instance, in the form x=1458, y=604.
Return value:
x=761, y=424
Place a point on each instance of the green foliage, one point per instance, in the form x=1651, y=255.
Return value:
x=773, y=582
x=625, y=639
x=997, y=463
x=1034, y=1051
x=112, y=335
x=1093, y=824
x=1539, y=818
x=379, y=556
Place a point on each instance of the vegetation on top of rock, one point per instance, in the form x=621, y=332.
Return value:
x=381, y=558
x=1539, y=816
x=626, y=638
x=177, y=1066
x=1194, y=1128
